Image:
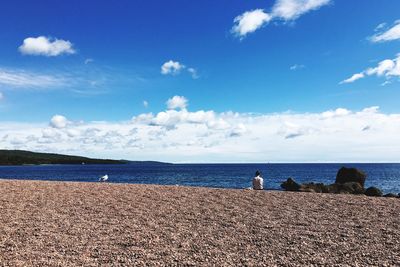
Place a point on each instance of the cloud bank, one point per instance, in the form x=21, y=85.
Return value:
x=44, y=46
x=180, y=135
x=286, y=10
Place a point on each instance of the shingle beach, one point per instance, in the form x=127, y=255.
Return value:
x=103, y=224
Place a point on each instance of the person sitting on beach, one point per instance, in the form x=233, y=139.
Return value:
x=258, y=181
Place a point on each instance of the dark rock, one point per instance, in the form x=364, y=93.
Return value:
x=312, y=187
x=334, y=188
x=352, y=188
x=346, y=188
x=390, y=195
x=307, y=190
x=290, y=185
x=373, y=192
x=346, y=175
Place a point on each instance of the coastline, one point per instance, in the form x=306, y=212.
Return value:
x=67, y=223
x=213, y=176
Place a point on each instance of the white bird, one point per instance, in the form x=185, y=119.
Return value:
x=103, y=178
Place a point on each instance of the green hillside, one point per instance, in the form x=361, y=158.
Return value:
x=21, y=157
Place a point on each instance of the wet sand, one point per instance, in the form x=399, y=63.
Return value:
x=94, y=224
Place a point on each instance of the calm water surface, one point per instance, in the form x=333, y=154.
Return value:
x=384, y=176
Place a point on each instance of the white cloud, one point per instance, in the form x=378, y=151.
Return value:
x=387, y=68
x=353, y=78
x=218, y=124
x=171, y=67
x=174, y=67
x=88, y=60
x=145, y=103
x=44, y=46
x=340, y=135
x=27, y=79
x=371, y=110
x=200, y=116
x=380, y=26
x=177, y=102
x=335, y=113
x=78, y=80
x=193, y=72
x=249, y=22
x=290, y=130
x=287, y=10
x=239, y=130
x=167, y=118
x=293, y=9
x=145, y=118
x=297, y=67
x=58, y=121
x=170, y=118
x=390, y=34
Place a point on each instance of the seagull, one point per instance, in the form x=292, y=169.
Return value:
x=103, y=178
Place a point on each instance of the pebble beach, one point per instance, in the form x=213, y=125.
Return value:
x=104, y=224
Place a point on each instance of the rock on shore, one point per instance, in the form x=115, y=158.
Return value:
x=350, y=175
x=348, y=181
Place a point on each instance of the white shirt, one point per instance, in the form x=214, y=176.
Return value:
x=258, y=183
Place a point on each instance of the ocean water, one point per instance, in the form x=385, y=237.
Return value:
x=384, y=176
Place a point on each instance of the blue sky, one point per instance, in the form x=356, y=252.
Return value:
x=290, y=56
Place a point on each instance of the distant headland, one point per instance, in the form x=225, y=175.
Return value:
x=22, y=157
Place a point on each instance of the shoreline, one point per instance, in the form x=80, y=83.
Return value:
x=380, y=176
x=174, y=185
x=67, y=224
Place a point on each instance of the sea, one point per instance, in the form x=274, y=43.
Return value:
x=385, y=176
